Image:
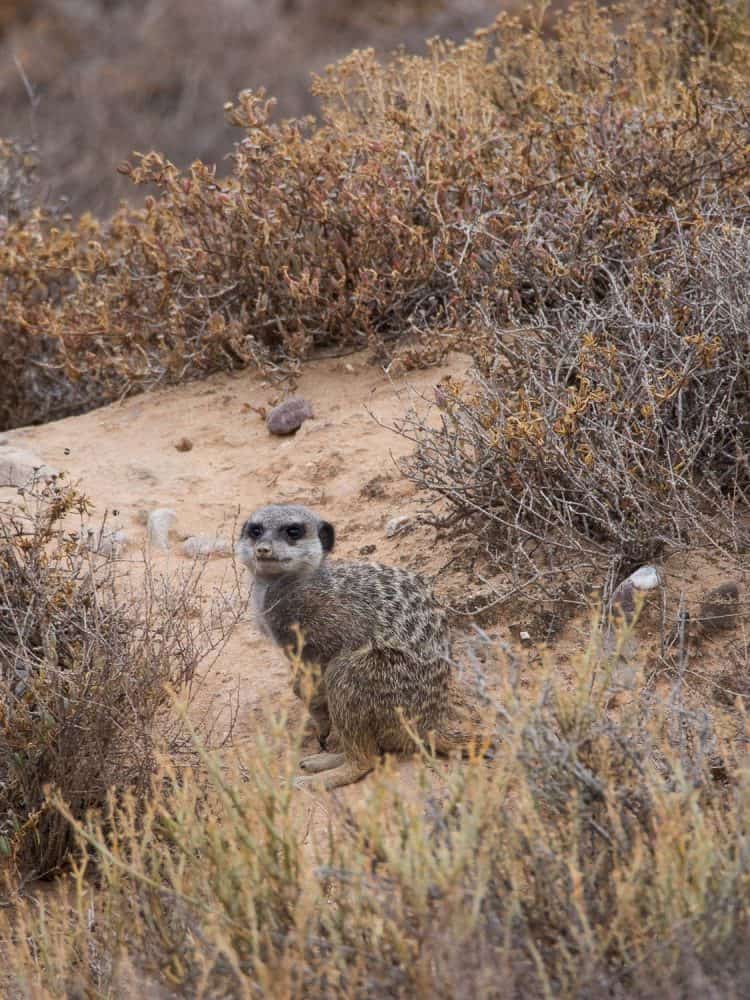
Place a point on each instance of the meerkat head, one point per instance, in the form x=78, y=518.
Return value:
x=284, y=540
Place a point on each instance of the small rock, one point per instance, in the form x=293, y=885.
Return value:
x=525, y=638
x=367, y=550
x=160, y=522
x=205, y=546
x=646, y=578
x=115, y=541
x=184, y=444
x=719, y=608
x=288, y=416
x=625, y=597
x=396, y=525
x=19, y=467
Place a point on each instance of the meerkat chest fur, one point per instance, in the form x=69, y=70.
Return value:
x=350, y=606
x=260, y=589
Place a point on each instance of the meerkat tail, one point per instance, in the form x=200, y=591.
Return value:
x=455, y=741
x=462, y=729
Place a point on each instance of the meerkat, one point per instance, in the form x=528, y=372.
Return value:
x=374, y=637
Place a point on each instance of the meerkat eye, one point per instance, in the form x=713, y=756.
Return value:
x=255, y=530
x=295, y=531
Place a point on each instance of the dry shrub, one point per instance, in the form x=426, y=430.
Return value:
x=39, y=255
x=594, y=856
x=483, y=183
x=607, y=428
x=90, y=646
x=90, y=80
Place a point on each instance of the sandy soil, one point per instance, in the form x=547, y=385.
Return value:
x=344, y=463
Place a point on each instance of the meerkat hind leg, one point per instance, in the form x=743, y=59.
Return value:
x=317, y=707
x=317, y=762
x=350, y=771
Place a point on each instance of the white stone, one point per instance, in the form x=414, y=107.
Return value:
x=205, y=546
x=396, y=525
x=645, y=578
x=109, y=543
x=160, y=523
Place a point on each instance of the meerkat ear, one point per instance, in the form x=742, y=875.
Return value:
x=327, y=535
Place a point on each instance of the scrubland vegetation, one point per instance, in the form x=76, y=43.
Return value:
x=571, y=209
x=89, y=80
x=596, y=855
x=91, y=645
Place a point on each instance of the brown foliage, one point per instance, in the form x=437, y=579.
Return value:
x=90, y=80
x=488, y=180
x=613, y=425
x=86, y=657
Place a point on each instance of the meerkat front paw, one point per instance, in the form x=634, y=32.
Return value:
x=337, y=774
x=331, y=743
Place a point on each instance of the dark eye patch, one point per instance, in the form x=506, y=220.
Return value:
x=295, y=531
x=253, y=530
